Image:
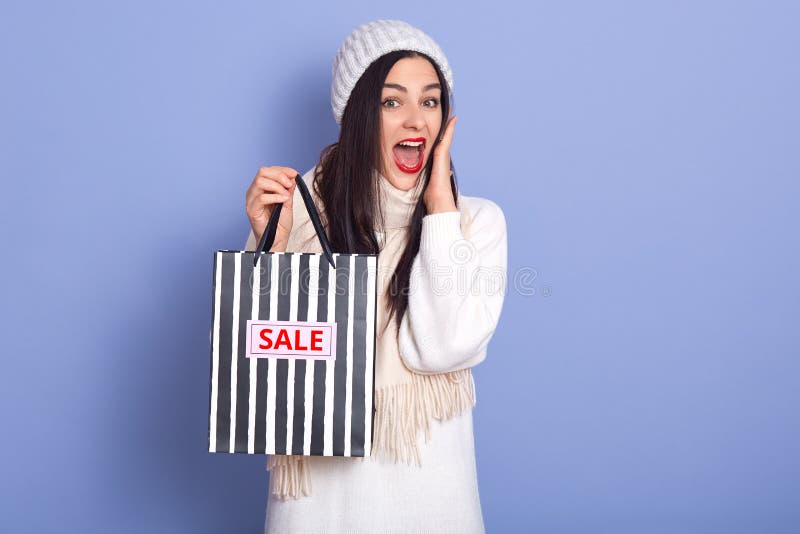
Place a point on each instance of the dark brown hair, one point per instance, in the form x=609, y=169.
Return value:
x=345, y=178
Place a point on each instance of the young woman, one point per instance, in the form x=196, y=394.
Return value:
x=388, y=187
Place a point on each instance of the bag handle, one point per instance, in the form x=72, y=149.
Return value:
x=272, y=225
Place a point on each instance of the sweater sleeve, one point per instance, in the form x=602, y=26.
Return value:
x=250, y=244
x=456, y=291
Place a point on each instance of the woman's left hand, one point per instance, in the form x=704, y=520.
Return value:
x=439, y=195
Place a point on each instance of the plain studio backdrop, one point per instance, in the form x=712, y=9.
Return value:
x=644, y=376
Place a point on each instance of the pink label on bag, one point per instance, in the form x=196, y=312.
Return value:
x=291, y=339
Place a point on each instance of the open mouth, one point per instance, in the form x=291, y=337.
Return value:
x=408, y=154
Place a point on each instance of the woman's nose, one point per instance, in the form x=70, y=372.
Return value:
x=414, y=118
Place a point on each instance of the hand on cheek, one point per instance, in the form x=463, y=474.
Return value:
x=439, y=195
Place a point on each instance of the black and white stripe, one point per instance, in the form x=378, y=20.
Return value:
x=293, y=406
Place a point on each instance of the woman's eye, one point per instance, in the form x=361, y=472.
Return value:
x=430, y=102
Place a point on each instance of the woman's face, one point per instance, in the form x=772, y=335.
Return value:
x=411, y=112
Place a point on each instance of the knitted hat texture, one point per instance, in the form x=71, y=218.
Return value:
x=370, y=41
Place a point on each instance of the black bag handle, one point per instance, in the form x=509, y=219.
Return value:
x=272, y=225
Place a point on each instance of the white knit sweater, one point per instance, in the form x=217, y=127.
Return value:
x=457, y=289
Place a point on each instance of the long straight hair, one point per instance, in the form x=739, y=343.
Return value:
x=346, y=181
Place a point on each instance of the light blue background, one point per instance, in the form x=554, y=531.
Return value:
x=646, y=155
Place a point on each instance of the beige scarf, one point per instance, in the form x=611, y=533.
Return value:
x=405, y=401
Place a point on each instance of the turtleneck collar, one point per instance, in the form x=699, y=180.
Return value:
x=398, y=205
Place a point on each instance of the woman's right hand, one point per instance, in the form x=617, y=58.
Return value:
x=271, y=185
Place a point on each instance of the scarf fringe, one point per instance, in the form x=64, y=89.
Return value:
x=290, y=476
x=401, y=411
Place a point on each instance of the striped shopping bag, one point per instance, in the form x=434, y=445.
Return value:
x=293, y=349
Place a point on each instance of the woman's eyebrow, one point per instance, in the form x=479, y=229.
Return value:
x=403, y=89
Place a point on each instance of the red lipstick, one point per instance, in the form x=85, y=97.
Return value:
x=421, y=155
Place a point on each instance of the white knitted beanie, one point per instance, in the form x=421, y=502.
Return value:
x=370, y=41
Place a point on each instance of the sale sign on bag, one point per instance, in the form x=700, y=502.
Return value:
x=293, y=349
x=288, y=339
